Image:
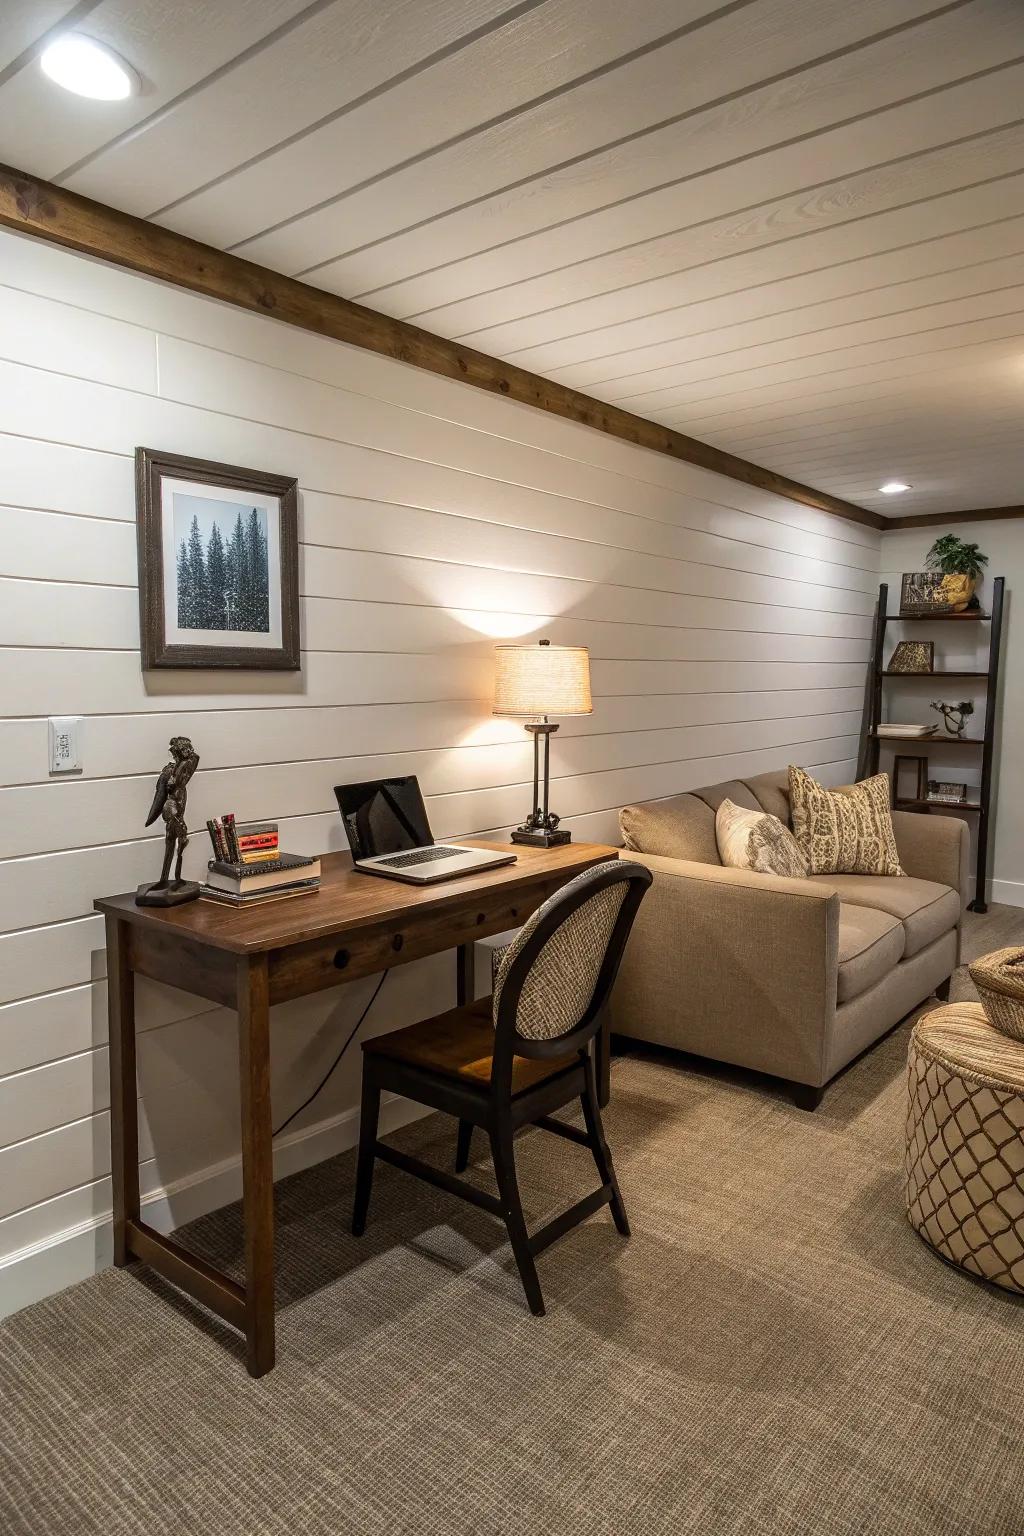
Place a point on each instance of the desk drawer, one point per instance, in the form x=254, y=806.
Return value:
x=322, y=963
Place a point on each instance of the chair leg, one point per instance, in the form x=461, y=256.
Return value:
x=368, y=1116
x=462, y=1148
x=512, y=1210
x=599, y=1145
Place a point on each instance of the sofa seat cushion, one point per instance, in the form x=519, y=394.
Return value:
x=871, y=944
x=925, y=909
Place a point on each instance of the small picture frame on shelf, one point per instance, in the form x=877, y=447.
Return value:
x=940, y=792
x=923, y=594
x=917, y=769
x=913, y=657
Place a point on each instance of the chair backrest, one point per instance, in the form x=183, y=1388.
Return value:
x=555, y=977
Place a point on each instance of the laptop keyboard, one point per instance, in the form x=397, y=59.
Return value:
x=419, y=856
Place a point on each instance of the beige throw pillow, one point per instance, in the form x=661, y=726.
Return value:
x=844, y=831
x=755, y=840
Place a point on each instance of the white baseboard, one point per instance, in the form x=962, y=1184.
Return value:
x=67, y=1257
x=1009, y=892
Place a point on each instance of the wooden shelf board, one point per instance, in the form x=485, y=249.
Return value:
x=943, y=672
x=942, y=805
x=974, y=617
x=930, y=741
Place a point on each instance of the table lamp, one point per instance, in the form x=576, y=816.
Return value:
x=542, y=680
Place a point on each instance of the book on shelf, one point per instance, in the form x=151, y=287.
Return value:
x=258, y=898
x=898, y=732
x=286, y=869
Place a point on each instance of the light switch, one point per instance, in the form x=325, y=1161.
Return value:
x=66, y=744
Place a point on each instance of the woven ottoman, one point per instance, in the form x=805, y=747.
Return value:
x=965, y=1143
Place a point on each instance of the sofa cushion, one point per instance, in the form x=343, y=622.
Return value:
x=925, y=909
x=681, y=827
x=732, y=789
x=756, y=841
x=847, y=830
x=771, y=791
x=871, y=943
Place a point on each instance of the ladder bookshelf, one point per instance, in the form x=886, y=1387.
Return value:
x=871, y=740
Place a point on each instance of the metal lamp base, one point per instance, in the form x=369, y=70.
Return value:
x=541, y=839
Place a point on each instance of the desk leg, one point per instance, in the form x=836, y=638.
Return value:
x=124, y=1101
x=257, y=1163
x=463, y=974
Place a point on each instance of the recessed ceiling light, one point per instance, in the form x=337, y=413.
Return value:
x=88, y=68
x=894, y=487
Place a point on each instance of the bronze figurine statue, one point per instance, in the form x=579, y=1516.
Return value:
x=169, y=802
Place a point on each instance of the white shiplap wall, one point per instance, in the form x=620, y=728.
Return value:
x=728, y=628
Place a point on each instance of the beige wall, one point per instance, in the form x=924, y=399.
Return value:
x=1003, y=542
x=728, y=629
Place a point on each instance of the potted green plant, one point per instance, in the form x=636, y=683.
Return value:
x=961, y=565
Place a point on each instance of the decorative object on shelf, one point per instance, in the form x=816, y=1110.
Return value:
x=944, y=793
x=924, y=594
x=169, y=802
x=955, y=716
x=542, y=680
x=913, y=656
x=918, y=769
x=999, y=978
x=962, y=566
x=218, y=564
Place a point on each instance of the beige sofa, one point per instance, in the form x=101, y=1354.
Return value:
x=790, y=977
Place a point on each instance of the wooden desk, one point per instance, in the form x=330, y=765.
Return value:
x=353, y=926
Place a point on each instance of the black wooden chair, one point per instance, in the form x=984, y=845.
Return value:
x=513, y=1060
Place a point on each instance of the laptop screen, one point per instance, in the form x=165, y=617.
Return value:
x=383, y=816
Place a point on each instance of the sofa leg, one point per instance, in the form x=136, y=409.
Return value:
x=806, y=1096
x=942, y=990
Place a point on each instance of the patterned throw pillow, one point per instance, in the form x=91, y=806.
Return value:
x=755, y=840
x=844, y=831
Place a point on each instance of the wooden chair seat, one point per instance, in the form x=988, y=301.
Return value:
x=459, y=1044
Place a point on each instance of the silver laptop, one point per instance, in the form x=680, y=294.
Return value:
x=386, y=825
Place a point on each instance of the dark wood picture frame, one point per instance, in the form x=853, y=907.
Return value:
x=918, y=768
x=151, y=468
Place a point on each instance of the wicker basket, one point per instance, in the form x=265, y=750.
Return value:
x=999, y=978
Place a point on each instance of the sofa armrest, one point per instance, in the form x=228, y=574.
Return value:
x=934, y=848
x=734, y=965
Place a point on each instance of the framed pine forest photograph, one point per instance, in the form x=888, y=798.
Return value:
x=218, y=564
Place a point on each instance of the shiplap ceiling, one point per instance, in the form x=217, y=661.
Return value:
x=793, y=228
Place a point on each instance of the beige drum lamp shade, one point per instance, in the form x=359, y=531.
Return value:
x=542, y=680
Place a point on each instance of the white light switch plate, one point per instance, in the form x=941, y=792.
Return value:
x=66, y=744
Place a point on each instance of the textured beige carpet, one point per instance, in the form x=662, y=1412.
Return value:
x=774, y=1351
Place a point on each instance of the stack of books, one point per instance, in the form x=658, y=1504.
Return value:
x=249, y=867
x=907, y=732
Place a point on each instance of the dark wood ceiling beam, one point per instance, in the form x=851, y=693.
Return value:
x=64, y=218
x=936, y=519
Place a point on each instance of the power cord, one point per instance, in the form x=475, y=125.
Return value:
x=322, y=1084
